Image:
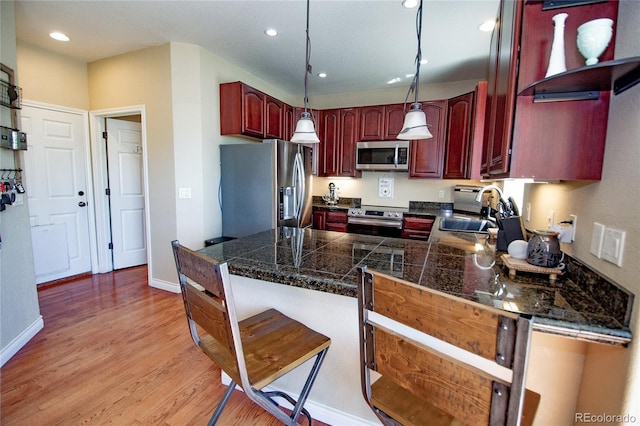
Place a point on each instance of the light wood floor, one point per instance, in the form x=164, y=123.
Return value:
x=115, y=351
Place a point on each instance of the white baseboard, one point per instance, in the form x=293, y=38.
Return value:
x=318, y=411
x=22, y=339
x=164, y=285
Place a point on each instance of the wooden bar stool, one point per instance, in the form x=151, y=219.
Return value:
x=254, y=352
x=410, y=376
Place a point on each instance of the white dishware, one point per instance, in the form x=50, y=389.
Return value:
x=593, y=38
x=518, y=249
x=556, y=59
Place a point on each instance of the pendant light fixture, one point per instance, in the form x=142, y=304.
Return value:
x=305, y=130
x=415, y=122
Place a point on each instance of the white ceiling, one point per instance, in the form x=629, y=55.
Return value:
x=360, y=44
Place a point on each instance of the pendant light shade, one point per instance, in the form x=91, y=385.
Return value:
x=415, y=122
x=305, y=131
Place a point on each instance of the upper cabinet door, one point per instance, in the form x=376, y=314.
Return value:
x=329, y=142
x=394, y=120
x=252, y=112
x=427, y=154
x=460, y=111
x=372, y=123
x=349, y=120
x=274, y=118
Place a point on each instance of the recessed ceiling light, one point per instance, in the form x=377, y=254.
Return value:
x=322, y=74
x=487, y=26
x=394, y=80
x=58, y=36
x=409, y=4
x=271, y=32
x=409, y=75
x=424, y=61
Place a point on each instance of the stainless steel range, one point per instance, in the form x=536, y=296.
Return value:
x=376, y=220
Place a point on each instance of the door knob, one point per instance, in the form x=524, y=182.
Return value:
x=82, y=204
x=81, y=193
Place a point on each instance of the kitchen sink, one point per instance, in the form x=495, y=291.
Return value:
x=465, y=224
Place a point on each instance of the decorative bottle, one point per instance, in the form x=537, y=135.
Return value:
x=556, y=60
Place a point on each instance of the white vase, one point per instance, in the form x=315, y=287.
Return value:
x=593, y=38
x=556, y=60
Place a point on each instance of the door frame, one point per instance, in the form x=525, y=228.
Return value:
x=100, y=180
x=89, y=183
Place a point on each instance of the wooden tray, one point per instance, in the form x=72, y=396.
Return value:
x=522, y=265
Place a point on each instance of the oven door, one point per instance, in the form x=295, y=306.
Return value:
x=372, y=226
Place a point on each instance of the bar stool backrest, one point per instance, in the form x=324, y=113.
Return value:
x=418, y=379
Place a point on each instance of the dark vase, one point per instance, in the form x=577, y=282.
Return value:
x=544, y=249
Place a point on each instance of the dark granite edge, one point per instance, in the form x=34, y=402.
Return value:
x=326, y=285
x=588, y=333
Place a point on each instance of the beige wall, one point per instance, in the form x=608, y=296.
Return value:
x=19, y=311
x=611, y=378
x=52, y=78
x=144, y=78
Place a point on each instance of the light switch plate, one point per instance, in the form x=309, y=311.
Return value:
x=613, y=245
x=596, y=239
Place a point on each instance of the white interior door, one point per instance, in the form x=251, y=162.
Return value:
x=56, y=184
x=126, y=185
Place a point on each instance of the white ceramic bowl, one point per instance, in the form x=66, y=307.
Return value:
x=593, y=38
x=518, y=249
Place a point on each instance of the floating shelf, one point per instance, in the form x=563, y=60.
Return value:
x=617, y=75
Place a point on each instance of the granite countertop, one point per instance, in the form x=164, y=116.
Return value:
x=458, y=263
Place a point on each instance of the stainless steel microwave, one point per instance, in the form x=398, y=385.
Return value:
x=383, y=155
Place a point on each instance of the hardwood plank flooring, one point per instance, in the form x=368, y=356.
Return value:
x=116, y=351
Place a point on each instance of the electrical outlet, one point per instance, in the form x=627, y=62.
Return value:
x=184, y=192
x=574, y=225
x=441, y=194
x=551, y=219
x=528, y=217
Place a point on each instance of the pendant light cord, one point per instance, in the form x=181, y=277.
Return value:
x=307, y=68
x=415, y=83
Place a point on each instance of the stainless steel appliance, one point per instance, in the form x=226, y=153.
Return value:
x=387, y=156
x=376, y=220
x=464, y=199
x=264, y=186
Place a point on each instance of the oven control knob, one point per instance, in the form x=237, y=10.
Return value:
x=361, y=212
x=397, y=214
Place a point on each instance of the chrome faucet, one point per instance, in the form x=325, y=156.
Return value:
x=486, y=188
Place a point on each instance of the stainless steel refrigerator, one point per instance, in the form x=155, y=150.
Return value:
x=265, y=185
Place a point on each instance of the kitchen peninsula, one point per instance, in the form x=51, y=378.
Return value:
x=311, y=275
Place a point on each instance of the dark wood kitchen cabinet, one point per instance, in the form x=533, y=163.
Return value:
x=381, y=122
x=319, y=218
x=427, y=155
x=417, y=228
x=330, y=220
x=250, y=112
x=465, y=130
x=543, y=135
x=338, y=137
x=459, y=116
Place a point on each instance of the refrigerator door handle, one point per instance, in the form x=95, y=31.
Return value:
x=300, y=184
